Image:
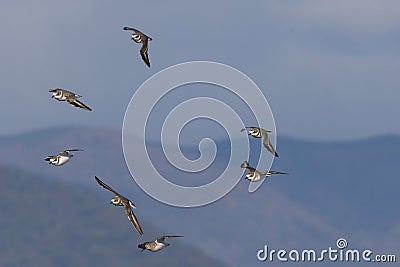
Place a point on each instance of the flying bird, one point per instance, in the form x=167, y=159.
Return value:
x=157, y=244
x=258, y=132
x=254, y=175
x=62, y=157
x=119, y=200
x=70, y=97
x=139, y=37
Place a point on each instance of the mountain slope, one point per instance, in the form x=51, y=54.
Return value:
x=345, y=189
x=48, y=223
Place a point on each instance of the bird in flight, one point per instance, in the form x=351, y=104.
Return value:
x=139, y=37
x=157, y=244
x=258, y=132
x=70, y=97
x=63, y=157
x=119, y=200
x=254, y=175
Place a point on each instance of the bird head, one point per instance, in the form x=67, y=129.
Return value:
x=142, y=246
x=245, y=164
x=52, y=91
x=252, y=131
x=115, y=201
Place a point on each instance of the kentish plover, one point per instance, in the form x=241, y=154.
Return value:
x=254, y=175
x=258, y=132
x=70, y=97
x=62, y=157
x=157, y=244
x=119, y=200
x=139, y=37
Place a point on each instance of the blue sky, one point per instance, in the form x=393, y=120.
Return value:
x=329, y=69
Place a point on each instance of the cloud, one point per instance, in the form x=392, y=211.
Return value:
x=363, y=16
x=307, y=56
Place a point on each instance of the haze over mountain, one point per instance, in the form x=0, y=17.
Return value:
x=51, y=223
x=333, y=190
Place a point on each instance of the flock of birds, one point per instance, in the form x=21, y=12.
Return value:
x=65, y=155
x=255, y=175
x=118, y=200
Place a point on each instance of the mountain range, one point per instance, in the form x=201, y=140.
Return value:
x=333, y=190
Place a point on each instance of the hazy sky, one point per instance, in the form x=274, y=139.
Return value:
x=329, y=69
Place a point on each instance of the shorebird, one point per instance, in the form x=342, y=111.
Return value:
x=70, y=97
x=139, y=37
x=254, y=175
x=62, y=157
x=258, y=132
x=157, y=244
x=119, y=200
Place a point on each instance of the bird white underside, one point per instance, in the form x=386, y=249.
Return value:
x=254, y=177
x=60, y=160
x=60, y=97
x=158, y=246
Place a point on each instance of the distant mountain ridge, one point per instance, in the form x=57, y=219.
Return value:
x=339, y=189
